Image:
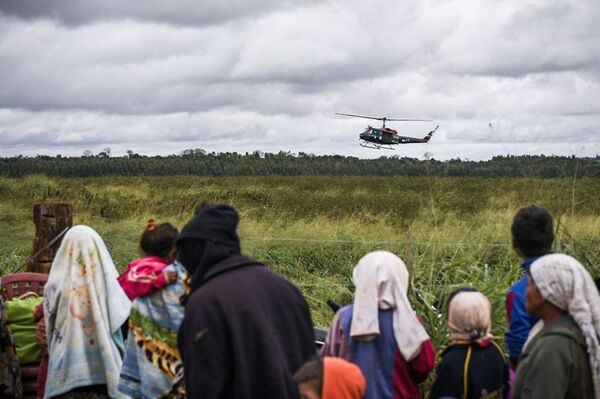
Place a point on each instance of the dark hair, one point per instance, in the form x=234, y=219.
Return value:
x=456, y=292
x=158, y=240
x=203, y=205
x=532, y=231
x=311, y=373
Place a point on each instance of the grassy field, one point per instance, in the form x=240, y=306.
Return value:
x=451, y=232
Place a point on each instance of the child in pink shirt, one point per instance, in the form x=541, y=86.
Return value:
x=146, y=275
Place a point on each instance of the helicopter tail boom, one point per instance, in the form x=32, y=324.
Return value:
x=428, y=137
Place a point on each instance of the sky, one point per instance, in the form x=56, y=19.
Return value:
x=157, y=77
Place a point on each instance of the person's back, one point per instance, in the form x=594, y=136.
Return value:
x=532, y=237
x=380, y=331
x=471, y=370
x=246, y=331
x=152, y=366
x=387, y=373
x=519, y=321
x=84, y=309
x=473, y=366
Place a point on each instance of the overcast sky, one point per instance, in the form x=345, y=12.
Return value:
x=160, y=76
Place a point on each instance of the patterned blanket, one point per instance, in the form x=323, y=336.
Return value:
x=152, y=367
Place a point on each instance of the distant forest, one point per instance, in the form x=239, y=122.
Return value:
x=197, y=162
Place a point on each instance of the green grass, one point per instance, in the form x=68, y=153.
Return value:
x=450, y=231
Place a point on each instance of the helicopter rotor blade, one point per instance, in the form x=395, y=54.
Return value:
x=409, y=120
x=385, y=118
x=361, y=116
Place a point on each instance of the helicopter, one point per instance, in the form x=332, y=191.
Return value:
x=384, y=137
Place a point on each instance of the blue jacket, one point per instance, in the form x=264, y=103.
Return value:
x=520, y=322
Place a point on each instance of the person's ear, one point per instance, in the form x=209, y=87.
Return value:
x=517, y=249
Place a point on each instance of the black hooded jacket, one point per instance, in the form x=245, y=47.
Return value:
x=245, y=332
x=209, y=238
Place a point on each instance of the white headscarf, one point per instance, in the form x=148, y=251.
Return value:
x=381, y=281
x=565, y=283
x=470, y=316
x=84, y=308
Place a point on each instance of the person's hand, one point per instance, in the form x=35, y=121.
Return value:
x=171, y=277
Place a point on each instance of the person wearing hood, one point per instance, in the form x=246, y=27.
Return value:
x=473, y=365
x=84, y=309
x=246, y=329
x=380, y=332
x=561, y=357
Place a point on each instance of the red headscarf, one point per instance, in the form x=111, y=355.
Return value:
x=342, y=379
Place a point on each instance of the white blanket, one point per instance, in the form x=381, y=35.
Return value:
x=84, y=308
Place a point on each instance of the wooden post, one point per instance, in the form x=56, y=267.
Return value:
x=50, y=220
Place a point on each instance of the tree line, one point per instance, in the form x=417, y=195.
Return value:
x=197, y=162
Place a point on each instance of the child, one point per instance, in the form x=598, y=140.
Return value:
x=532, y=237
x=146, y=275
x=473, y=366
x=330, y=378
x=152, y=366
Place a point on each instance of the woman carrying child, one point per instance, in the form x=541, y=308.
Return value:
x=473, y=366
x=152, y=367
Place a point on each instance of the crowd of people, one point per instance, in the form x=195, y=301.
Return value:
x=195, y=318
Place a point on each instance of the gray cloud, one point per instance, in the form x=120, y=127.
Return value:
x=177, y=12
x=77, y=75
x=514, y=39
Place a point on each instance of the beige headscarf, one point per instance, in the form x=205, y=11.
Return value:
x=470, y=316
x=565, y=283
x=381, y=281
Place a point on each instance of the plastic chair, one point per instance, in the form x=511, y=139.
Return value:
x=17, y=285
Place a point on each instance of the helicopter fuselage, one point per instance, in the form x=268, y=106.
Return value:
x=387, y=136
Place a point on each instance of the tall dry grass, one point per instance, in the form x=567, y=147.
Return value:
x=450, y=231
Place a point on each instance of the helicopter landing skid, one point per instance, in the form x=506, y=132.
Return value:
x=375, y=146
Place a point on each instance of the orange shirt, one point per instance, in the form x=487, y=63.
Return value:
x=342, y=379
